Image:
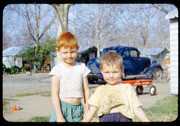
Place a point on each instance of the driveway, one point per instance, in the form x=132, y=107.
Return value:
x=22, y=84
x=37, y=105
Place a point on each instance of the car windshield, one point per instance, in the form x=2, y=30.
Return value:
x=120, y=50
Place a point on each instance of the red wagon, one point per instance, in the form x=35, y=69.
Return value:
x=139, y=83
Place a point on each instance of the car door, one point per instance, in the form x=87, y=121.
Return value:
x=135, y=63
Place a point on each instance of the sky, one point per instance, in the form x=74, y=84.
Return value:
x=13, y=23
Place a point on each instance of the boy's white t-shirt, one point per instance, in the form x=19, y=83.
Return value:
x=70, y=79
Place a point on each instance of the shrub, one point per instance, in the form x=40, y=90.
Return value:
x=4, y=68
x=26, y=67
x=14, y=69
x=8, y=70
x=11, y=70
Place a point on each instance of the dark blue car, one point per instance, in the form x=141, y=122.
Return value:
x=134, y=65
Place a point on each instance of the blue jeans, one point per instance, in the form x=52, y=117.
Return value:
x=114, y=117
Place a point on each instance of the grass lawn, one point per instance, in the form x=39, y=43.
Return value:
x=166, y=110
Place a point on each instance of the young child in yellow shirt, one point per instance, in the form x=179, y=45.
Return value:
x=116, y=102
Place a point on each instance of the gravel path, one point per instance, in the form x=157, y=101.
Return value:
x=37, y=105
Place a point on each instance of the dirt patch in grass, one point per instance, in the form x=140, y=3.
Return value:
x=31, y=106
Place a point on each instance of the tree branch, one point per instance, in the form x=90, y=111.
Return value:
x=160, y=8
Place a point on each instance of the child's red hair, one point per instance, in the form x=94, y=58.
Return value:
x=67, y=40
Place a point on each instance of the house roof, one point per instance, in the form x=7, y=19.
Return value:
x=14, y=51
x=153, y=51
x=83, y=48
x=172, y=14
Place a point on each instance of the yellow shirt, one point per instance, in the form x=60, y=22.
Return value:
x=122, y=95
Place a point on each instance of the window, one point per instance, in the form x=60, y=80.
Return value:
x=133, y=53
x=124, y=54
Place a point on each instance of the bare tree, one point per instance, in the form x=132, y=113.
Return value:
x=33, y=19
x=8, y=28
x=94, y=24
x=120, y=24
x=144, y=24
x=160, y=7
x=62, y=16
x=15, y=32
x=36, y=20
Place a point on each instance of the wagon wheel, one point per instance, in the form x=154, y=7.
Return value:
x=139, y=90
x=152, y=90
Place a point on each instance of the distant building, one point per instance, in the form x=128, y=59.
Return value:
x=173, y=16
x=10, y=56
x=158, y=54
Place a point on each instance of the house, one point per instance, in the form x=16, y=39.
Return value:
x=158, y=54
x=10, y=56
x=53, y=55
x=173, y=17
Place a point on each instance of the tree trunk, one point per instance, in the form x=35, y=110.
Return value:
x=62, y=19
x=36, y=57
x=62, y=16
x=37, y=38
x=98, y=42
x=98, y=49
x=144, y=51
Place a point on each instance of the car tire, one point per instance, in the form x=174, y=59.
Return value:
x=139, y=90
x=158, y=74
x=152, y=90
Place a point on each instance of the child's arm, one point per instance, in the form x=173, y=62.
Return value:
x=141, y=115
x=91, y=112
x=55, y=99
x=86, y=95
x=168, y=77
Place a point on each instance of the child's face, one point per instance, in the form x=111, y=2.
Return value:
x=111, y=74
x=68, y=55
x=167, y=65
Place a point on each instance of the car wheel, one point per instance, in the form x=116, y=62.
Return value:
x=152, y=90
x=158, y=74
x=139, y=90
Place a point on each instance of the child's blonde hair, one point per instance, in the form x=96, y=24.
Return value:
x=111, y=58
x=67, y=40
x=166, y=61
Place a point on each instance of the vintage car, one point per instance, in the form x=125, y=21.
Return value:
x=134, y=65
